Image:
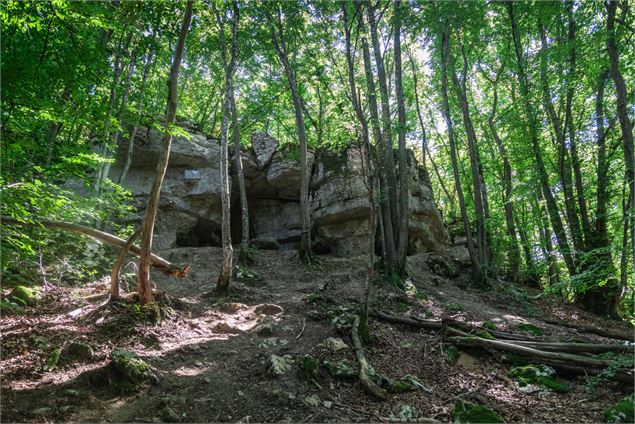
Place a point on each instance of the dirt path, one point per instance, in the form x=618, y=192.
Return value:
x=211, y=356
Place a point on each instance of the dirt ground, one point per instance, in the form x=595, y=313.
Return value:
x=210, y=352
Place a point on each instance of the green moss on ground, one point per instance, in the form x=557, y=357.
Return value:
x=134, y=370
x=488, y=325
x=530, y=328
x=451, y=355
x=621, y=412
x=341, y=370
x=454, y=307
x=309, y=368
x=467, y=412
x=540, y=375
x=24, y=295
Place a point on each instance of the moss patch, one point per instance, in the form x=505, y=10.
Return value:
x=531, y=329
x=24, y=295
x=134, y=370
x=451, y=355
x=484, y=335
x=466, y=412
x=454, y=307
x=341, y=370
x=309, y=368
x=488, y=325
x=540, y=375
x=621, y=412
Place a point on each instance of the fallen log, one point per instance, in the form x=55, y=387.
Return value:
x=565, y=367
x=157, y=262
x=604, y=332
x=530, y=352
x=575, y=347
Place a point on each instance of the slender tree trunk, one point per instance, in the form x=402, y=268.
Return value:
x=622, y=112
x=280, y=46
x=238, y=163
x=445, y=52
x=225, y=275
x=552, y=206
x=369, y=179
x=402, y=249
x=514, y=254
x=143, y=277
x=51, y=137
x=479, y=201
x=387, y=235
x=133, y=133
x=389, y=162
x=564, y=164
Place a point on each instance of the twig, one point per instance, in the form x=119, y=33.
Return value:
x=302, y=330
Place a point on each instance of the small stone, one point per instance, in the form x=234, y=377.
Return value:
x=198, y=363
x=327, y=404
x=71, y=392
x=335, y=344
x=66, y=408
x=240, y=393
x=313, y=400
x=292, y=396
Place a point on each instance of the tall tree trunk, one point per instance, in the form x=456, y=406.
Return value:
x=133, y=132
x=240, y=175
x=225, y=275
x=508, y=204
x=51, y=137
x=369, y=179
x=387, y=235
x=552, y=206
x=445, y=53
x=402, y=249
x=277, y=36
x=564, y=164
x=479, y=201
x=389, y=161
x=622, y=112
x=143, y=277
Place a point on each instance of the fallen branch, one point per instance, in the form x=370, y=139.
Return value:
x=157, y=262
x=575, y=347
x=365, y=369
x=604, y=332
x=302, y=330
x=530, y=352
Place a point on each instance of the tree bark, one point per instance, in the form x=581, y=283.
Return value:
x=116, y=268
x=622, y=112
x=240, y=174
x=277, y=37
x=225, y=275
x=552, y=206
x=402, y=239
x=143, y=277
x=445, y=52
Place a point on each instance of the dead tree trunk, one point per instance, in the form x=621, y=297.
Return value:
x=143, y=277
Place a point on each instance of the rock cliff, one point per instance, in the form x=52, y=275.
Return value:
x=190, y=203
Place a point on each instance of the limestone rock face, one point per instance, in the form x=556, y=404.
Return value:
x=190, y=209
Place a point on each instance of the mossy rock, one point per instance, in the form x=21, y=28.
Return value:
x=488, y=325
x=78, y=351
x=454, y=307
x=310, y=368
x=451, y=355
x=24, y=295
x=134, y=370
x=621, y=412
x=540, y=375
x=467, y=412
x=341, y=370
x=531, y=329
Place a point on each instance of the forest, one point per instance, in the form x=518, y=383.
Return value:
x=317, y=210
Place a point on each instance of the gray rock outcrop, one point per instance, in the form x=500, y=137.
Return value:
x=190, y=199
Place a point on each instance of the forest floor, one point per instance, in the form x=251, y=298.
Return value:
x=210, y=355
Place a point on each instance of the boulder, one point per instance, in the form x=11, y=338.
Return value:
x=264, y=146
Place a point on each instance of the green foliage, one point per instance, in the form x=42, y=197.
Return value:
x=341, y=370
x=310, y=368
x=23, y=295
x=467, y=412
x=621, y=412
x=454, y=307
x=488, y=325
x=451, y=355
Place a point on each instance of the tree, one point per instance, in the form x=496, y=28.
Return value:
x=225, y=275
x=144, y=288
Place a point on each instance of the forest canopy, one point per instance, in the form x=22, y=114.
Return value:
x=520, y=113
